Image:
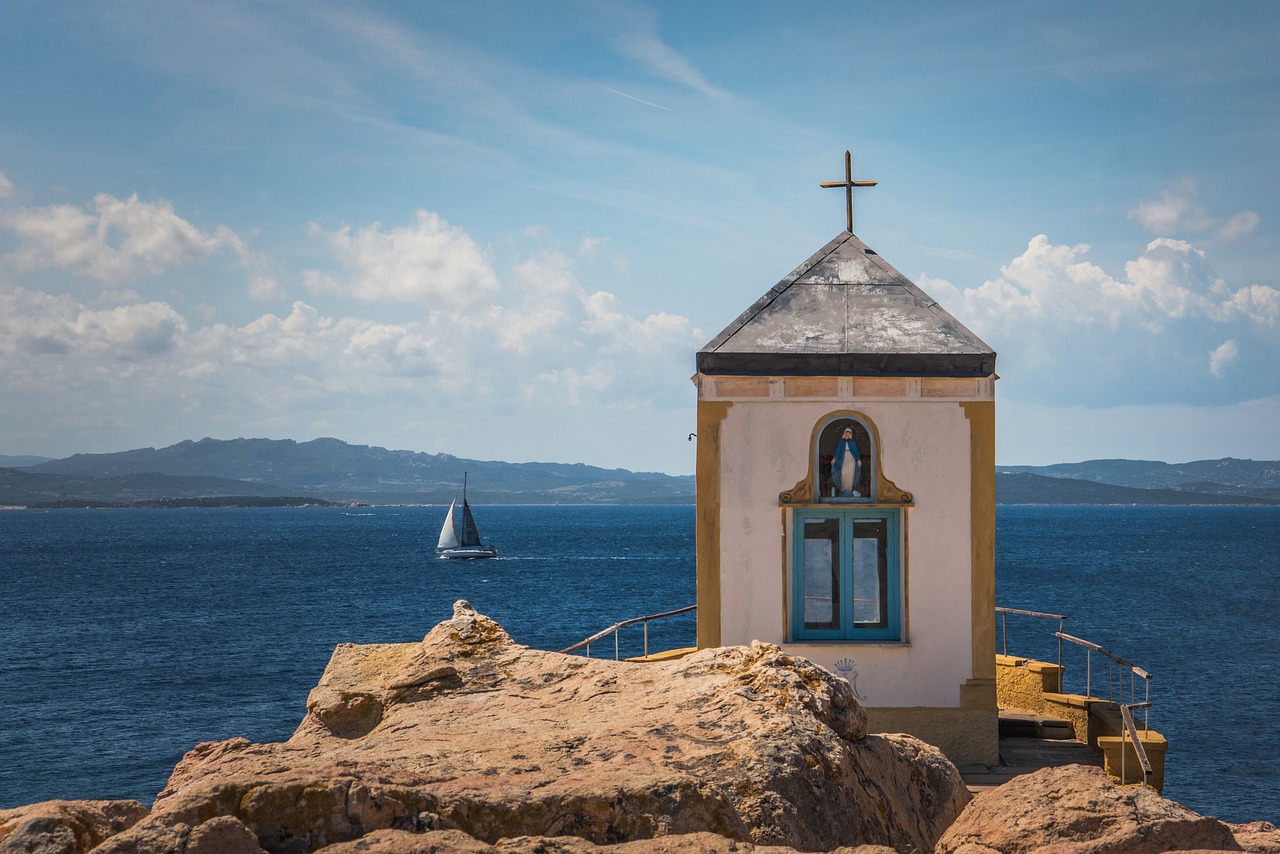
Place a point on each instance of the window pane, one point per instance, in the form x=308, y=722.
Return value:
x=822, y=573
x=870, y=575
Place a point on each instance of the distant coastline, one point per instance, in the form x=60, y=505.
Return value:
x=181, y=503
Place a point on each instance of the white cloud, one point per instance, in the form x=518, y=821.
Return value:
x=6, y=187
x=1238, y=226
x=539, y=346
x=1257, y=303
x=35, y=324
x=1177, y=211
x=1223, y=356
x=116, y=239
x=1174, y=210
x=429, y=262
x=1069, y=331
x=590, y=244
x=264, y=288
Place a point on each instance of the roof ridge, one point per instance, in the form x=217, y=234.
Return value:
x=777, y=290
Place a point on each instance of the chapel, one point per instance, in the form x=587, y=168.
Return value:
x=846, y=493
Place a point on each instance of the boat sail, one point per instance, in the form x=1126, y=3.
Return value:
x=461, y=540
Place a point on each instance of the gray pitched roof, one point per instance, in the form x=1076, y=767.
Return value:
x=846, y=312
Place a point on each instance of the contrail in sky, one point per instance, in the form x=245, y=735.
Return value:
x=634, y=98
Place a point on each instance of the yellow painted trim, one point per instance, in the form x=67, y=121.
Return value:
x=982, y=512
x=711, y=415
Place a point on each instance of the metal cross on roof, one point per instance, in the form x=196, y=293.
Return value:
x=848, y=183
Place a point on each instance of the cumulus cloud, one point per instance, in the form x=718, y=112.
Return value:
x=112, y=240
x=34, y=324
x=428, y=262
x=555, y=326
x=540, y=344
x=6, y=187
x=1075, y=332
x=1177, y=211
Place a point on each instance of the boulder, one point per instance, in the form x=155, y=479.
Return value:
x=468, y=731
x=65, y=827
x=1074, y=809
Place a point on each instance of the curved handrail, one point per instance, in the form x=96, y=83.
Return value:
x=1135, y=672
x=631, y=622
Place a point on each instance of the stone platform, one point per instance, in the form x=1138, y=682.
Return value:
x=1028, y=743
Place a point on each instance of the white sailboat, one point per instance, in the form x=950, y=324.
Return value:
x=462, y=540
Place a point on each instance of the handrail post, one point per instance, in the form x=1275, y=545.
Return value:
x=646, y=638
x=1088, y=672
x=1062, y=627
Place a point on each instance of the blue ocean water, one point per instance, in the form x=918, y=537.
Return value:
x=128, y=636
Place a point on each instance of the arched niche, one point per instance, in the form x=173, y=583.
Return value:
x=823, y=484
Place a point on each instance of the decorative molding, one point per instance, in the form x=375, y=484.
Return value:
x=887, y=492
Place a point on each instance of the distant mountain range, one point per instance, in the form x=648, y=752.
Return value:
x=333, y=470
x=287, y=472
x=1228, y=477
x=1018, y=487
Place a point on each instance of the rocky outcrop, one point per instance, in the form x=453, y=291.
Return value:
x=1076, y=809
x=470, y=733
x=65, y=827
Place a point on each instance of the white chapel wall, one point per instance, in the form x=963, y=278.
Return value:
x=925, y=451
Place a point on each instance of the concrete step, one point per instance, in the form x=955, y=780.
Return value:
x=1028, y=725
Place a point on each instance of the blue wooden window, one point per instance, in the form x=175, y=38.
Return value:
x=846, y=575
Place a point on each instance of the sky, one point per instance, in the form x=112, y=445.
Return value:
x=501, y=230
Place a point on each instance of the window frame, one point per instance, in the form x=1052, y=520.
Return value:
x=848, y=517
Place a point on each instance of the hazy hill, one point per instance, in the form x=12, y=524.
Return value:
x=333, y=469
x=24, y=488
x=1226, y=476
x=8, y=461
x=1017, y=487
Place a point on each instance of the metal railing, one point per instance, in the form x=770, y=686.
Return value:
x=1132, y=732
x=1004, y=626
x=1116, y=667
x=617, y=654
x=1115, y=675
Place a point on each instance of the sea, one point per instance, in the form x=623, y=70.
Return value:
x=129, y=636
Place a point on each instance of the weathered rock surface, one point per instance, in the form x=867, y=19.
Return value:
x=469, y=731
x=65, y=827
x=1078, y=810
x=457, y=842
x=1260, y=837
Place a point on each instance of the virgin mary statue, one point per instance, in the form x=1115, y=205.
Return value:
x=846, y=466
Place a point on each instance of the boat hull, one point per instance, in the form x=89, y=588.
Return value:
x=467, y=553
